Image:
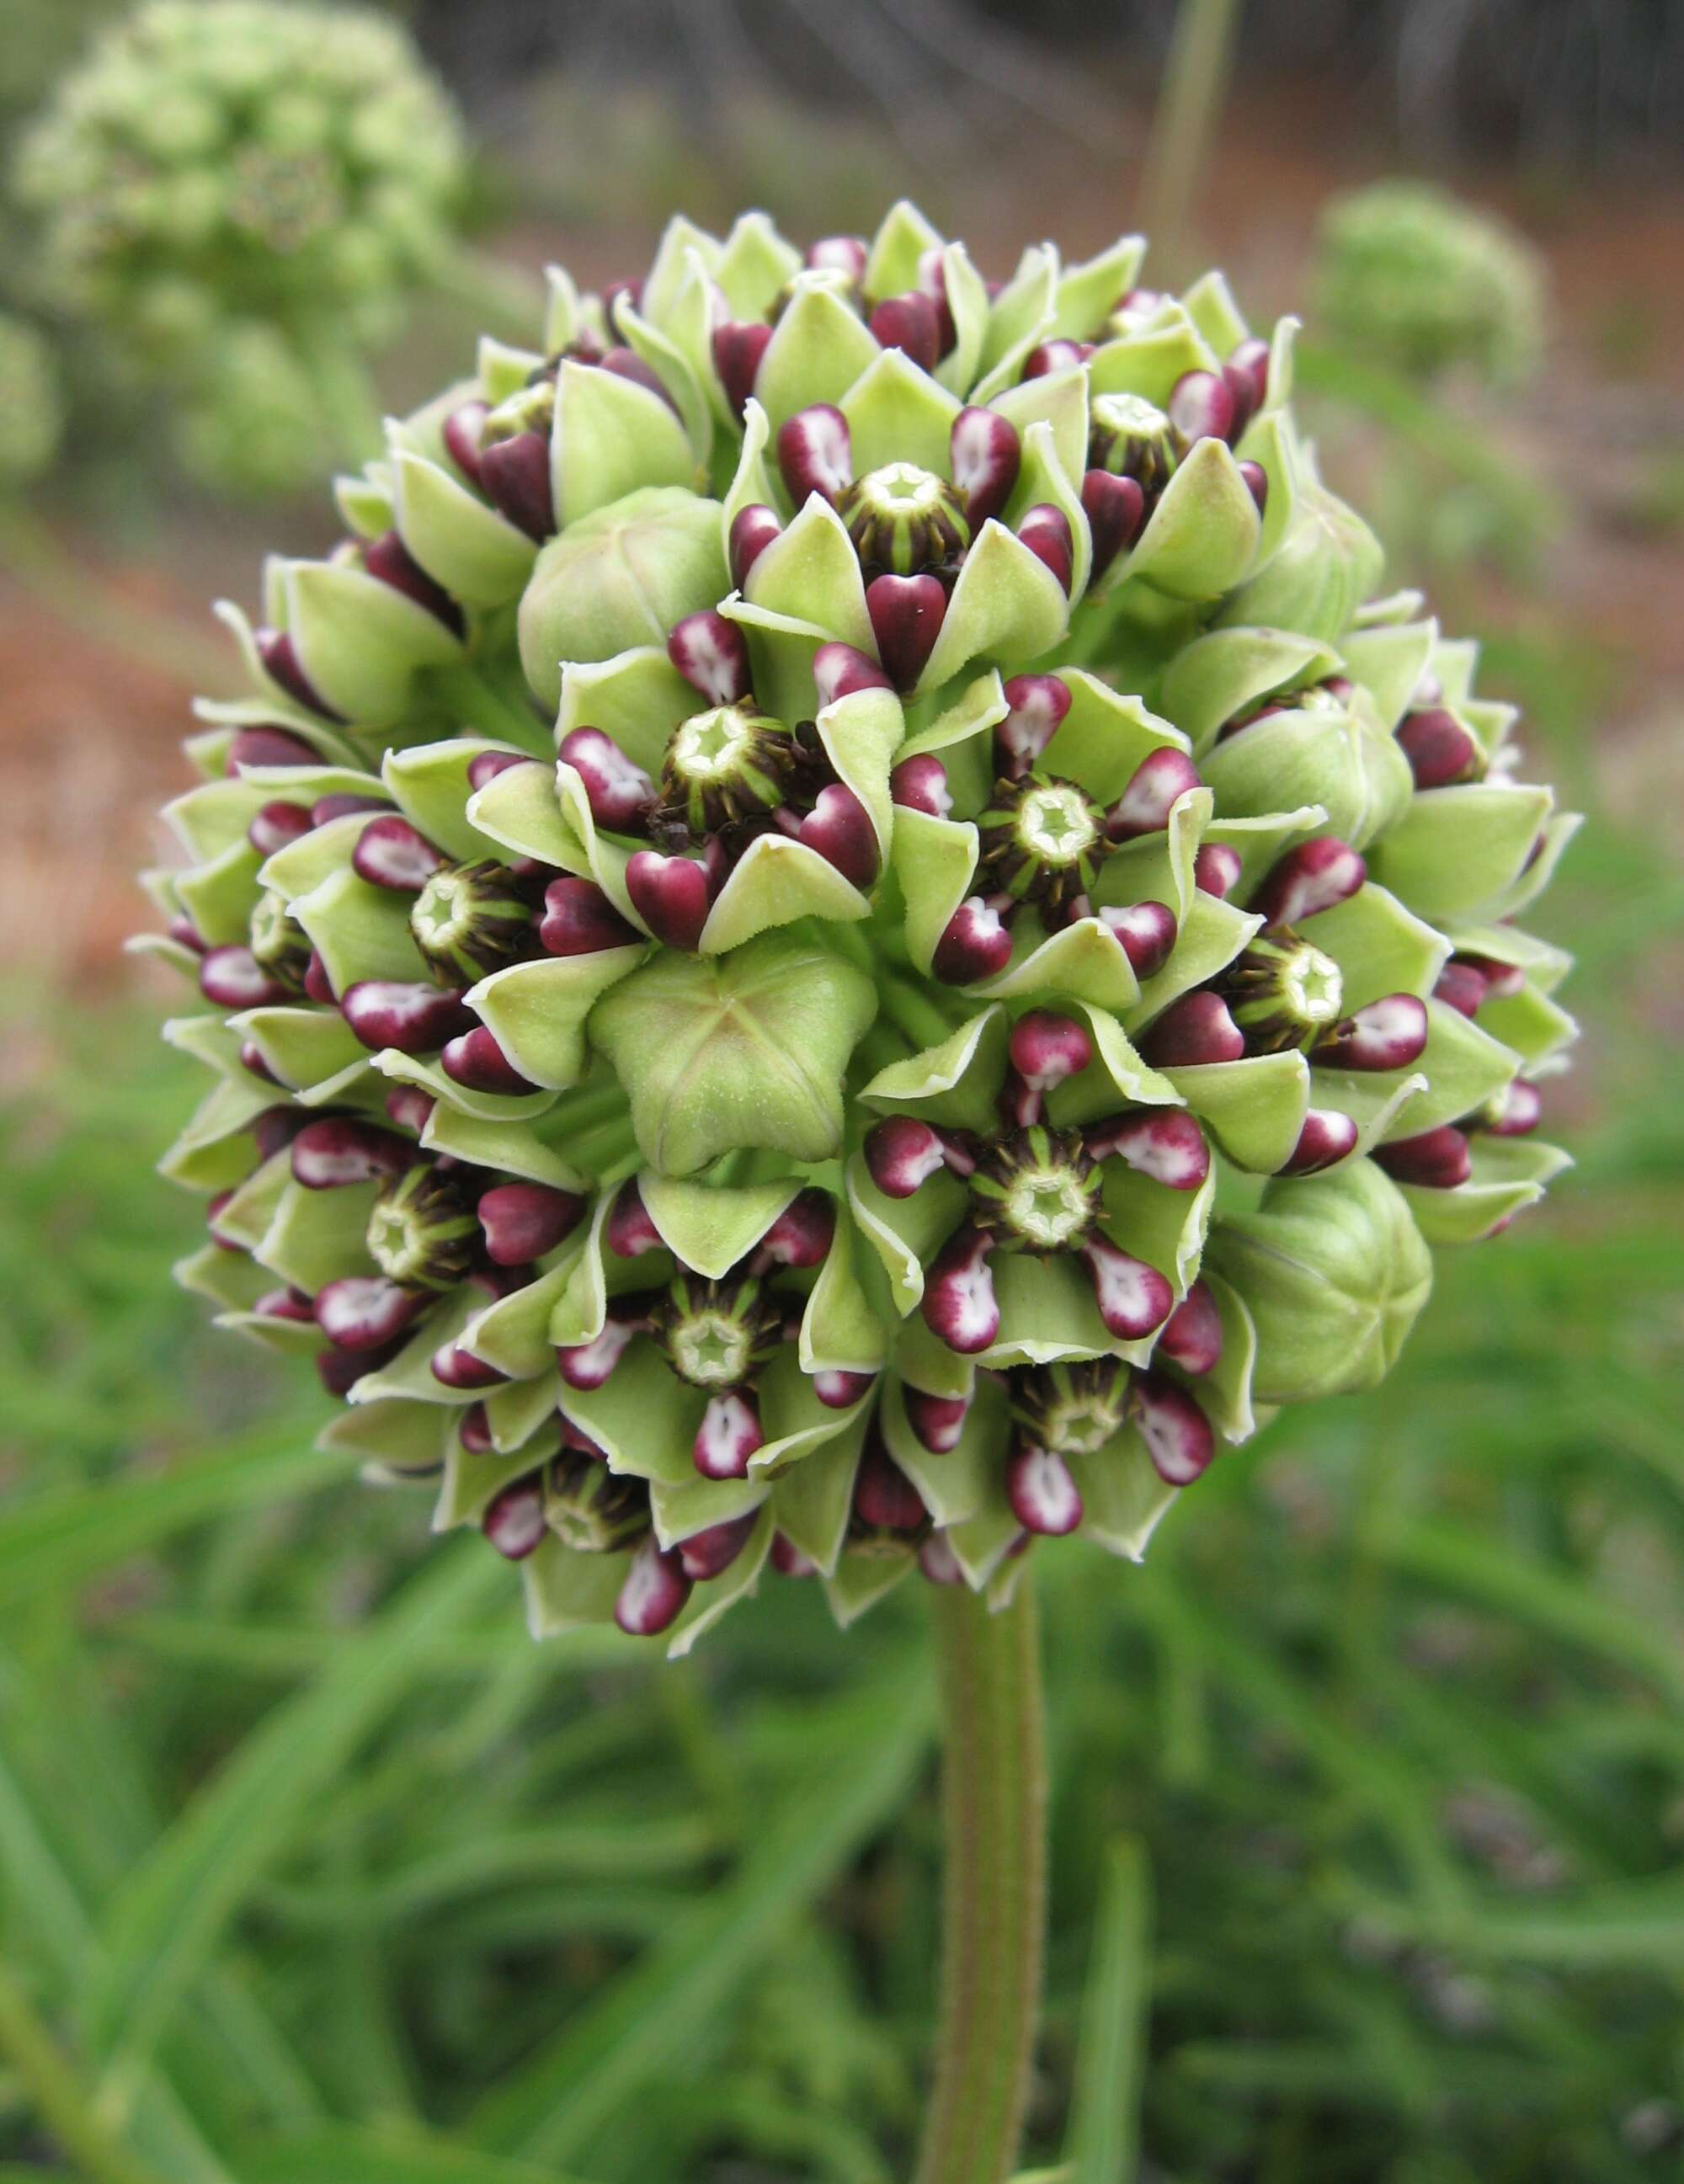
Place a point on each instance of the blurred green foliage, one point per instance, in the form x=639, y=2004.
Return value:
x=313, y=1866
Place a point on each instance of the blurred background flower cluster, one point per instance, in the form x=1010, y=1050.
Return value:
x=309, y=1863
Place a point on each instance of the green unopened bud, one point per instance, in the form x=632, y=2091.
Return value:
x=621, y=577
x=471, y=919
x=423, y=1231
x=1334, y=1271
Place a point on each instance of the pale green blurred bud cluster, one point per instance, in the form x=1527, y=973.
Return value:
x=231, y=188
x=31, y=401
x=1426, y=284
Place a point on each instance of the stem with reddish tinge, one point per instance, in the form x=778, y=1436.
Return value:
x=994, y=1829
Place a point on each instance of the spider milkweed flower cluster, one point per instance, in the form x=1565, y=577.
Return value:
x=242, y=195
x=844, y=934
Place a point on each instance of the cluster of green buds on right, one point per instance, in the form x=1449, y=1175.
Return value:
x=242, y=195
x=844, y=935
x=1409, y=275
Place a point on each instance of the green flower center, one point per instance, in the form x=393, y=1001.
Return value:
x=590, y=1508
x=469, y=919
x=278, y=941
x=717, y=1334
x=1043, y=840
x=422, y=1232
x=902, y=519
x=1283, y=993
x=729, y=763
x=1038, y=1192
x=1132, y=438
x=1072, y=1409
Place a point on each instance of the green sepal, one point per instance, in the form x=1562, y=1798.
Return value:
x=1165, y=1227
x=359, y=931
x=248, y=1213
x=611, y=438
x=839, y=1331
x=956, y=1483
x=1258, y=842
x=1210, y=306
x=1464, y=1066
x=360, y=641
x=896, y=413
x=1084, y=961
x=1389, y=662
x=429, y=784
x=315, y=1236
x=1105, y=738
x=478, y=555
x=903, y=237
x=1224, y=1393
x=303, y=1046
x=1006, y=604
x=518, y=809
x=411, y=1375
x=683, y=1508
x=1456, y=853
x=1333, y=756
x=1210, y=936
x=397, y=1437
x=231, y=1280
x=904, y=1232
x=1086, y=293
x=1334, y=1273
x=566, y=1588
x=1329, y=562
x=1048, y=1312
x=1536, y=1027
x=488, y=1106
x=513, y=1149
x=1022, y=315
x=512, y=1333
x=864, y=1577
x=214, y=1150
x=748, y=1049
x=1124, y=1499
x=1508, y=1175
x=301, y=865
x=538, y=1011
x=954, y=1084
x=813, y=1501
x=1116, y=1077
x=1254, y=1108
x=1203, y=536
x=219, y=895
x=1381, y=947
x=1059, y=400
x=982, y=1543
x=794, y=1421
x=755, y=264
x=1269, y=441
x=811, y=575
x=516, y=1413
x=671, y=365
x=1535, y=877
x=935, y=860
x=471, y=1480
x=708, y=1227
x=1149, y=359
x=818, y=349
x=1228, y=670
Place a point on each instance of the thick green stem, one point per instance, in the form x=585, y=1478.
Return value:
x=993, y=1829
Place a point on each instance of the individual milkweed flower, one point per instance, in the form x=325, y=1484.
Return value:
x=740, y=1072
x=243, y=196
x=1410, y=275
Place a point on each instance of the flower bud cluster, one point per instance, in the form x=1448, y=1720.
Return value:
x=243, y=195
x=866, y=1023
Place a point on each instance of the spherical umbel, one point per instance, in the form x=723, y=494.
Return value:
x=758, y=1028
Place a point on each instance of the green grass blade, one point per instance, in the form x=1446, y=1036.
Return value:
x=550, y=2110
x=344, y=2154
x=165, y=1922
x=1103, y=2141
x=60, y=1538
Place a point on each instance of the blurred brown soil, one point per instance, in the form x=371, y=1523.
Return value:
x=89, y=732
